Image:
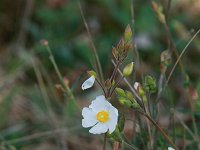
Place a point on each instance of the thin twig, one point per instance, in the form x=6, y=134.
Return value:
x=66, y=87
x=104, y=92
x=53, y=121
x=92, y=44
x=159, y=128
x=115, y=71
x=113, y=77
x=186, y=127
x=41, y=134
x=113, y=89
x=138, y=99
x=135, y=50
x=183, y=51
x=167, y=14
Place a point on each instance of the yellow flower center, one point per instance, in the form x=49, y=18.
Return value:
x=102, y=116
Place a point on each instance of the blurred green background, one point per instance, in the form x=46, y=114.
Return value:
x=31, y=110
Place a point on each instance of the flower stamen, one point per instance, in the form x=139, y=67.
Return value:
x=102, y=116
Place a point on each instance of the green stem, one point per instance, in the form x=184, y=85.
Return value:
x=68, y=90
x=98, y=64
x=101, y=86
x=159, y=129
x=113, y=77
x=113, y=89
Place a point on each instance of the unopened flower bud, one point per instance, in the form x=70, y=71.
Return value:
x=150, y=84
x=128, y=33
x=44, y=42
x=92, y=73
x=128, y=69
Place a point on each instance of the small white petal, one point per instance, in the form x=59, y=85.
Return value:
x=170, y=148
x=87, y=112
x=113, y=115
x=88, y=122
x=89, y=117
x=88, y=83
x=99, y=104
x=136, y=84
x=99, y=128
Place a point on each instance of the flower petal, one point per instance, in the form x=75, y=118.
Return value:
x=170, y=148
x=99, y=104
x=89, y=117
x=99, y=128
x=88, y=83
x=136, y=84
x=112, y=123
x=88, y=122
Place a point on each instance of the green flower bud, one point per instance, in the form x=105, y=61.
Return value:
x=120, y=92
x=92, y=73
x=165, y=58
x=135, y=105
x=113, y=83
x=129, y=95
x=125, y=102
x=150, y=84
x=120, y=46
x=108, y=83
x=140, y=91
x=115, y=53
x=159, y=11
x=128, y=69
x=128, y=33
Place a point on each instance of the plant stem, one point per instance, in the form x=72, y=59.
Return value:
x=114, y=72
x=104, y=141
x=113, y=89
x=180, y=56
x=98, y=64
x=138, y=99
x=101, y=86
x=66, y=87
x=160, y=129
x=113, y=77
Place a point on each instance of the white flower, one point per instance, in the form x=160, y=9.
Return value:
x=170, y=148
x=100, y=115
x=88, y=83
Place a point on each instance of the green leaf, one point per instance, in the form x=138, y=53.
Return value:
x=121, y=123
x=115, y=136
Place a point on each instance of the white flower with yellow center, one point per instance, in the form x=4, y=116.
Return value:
x=88, y=83
x=100, y=115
